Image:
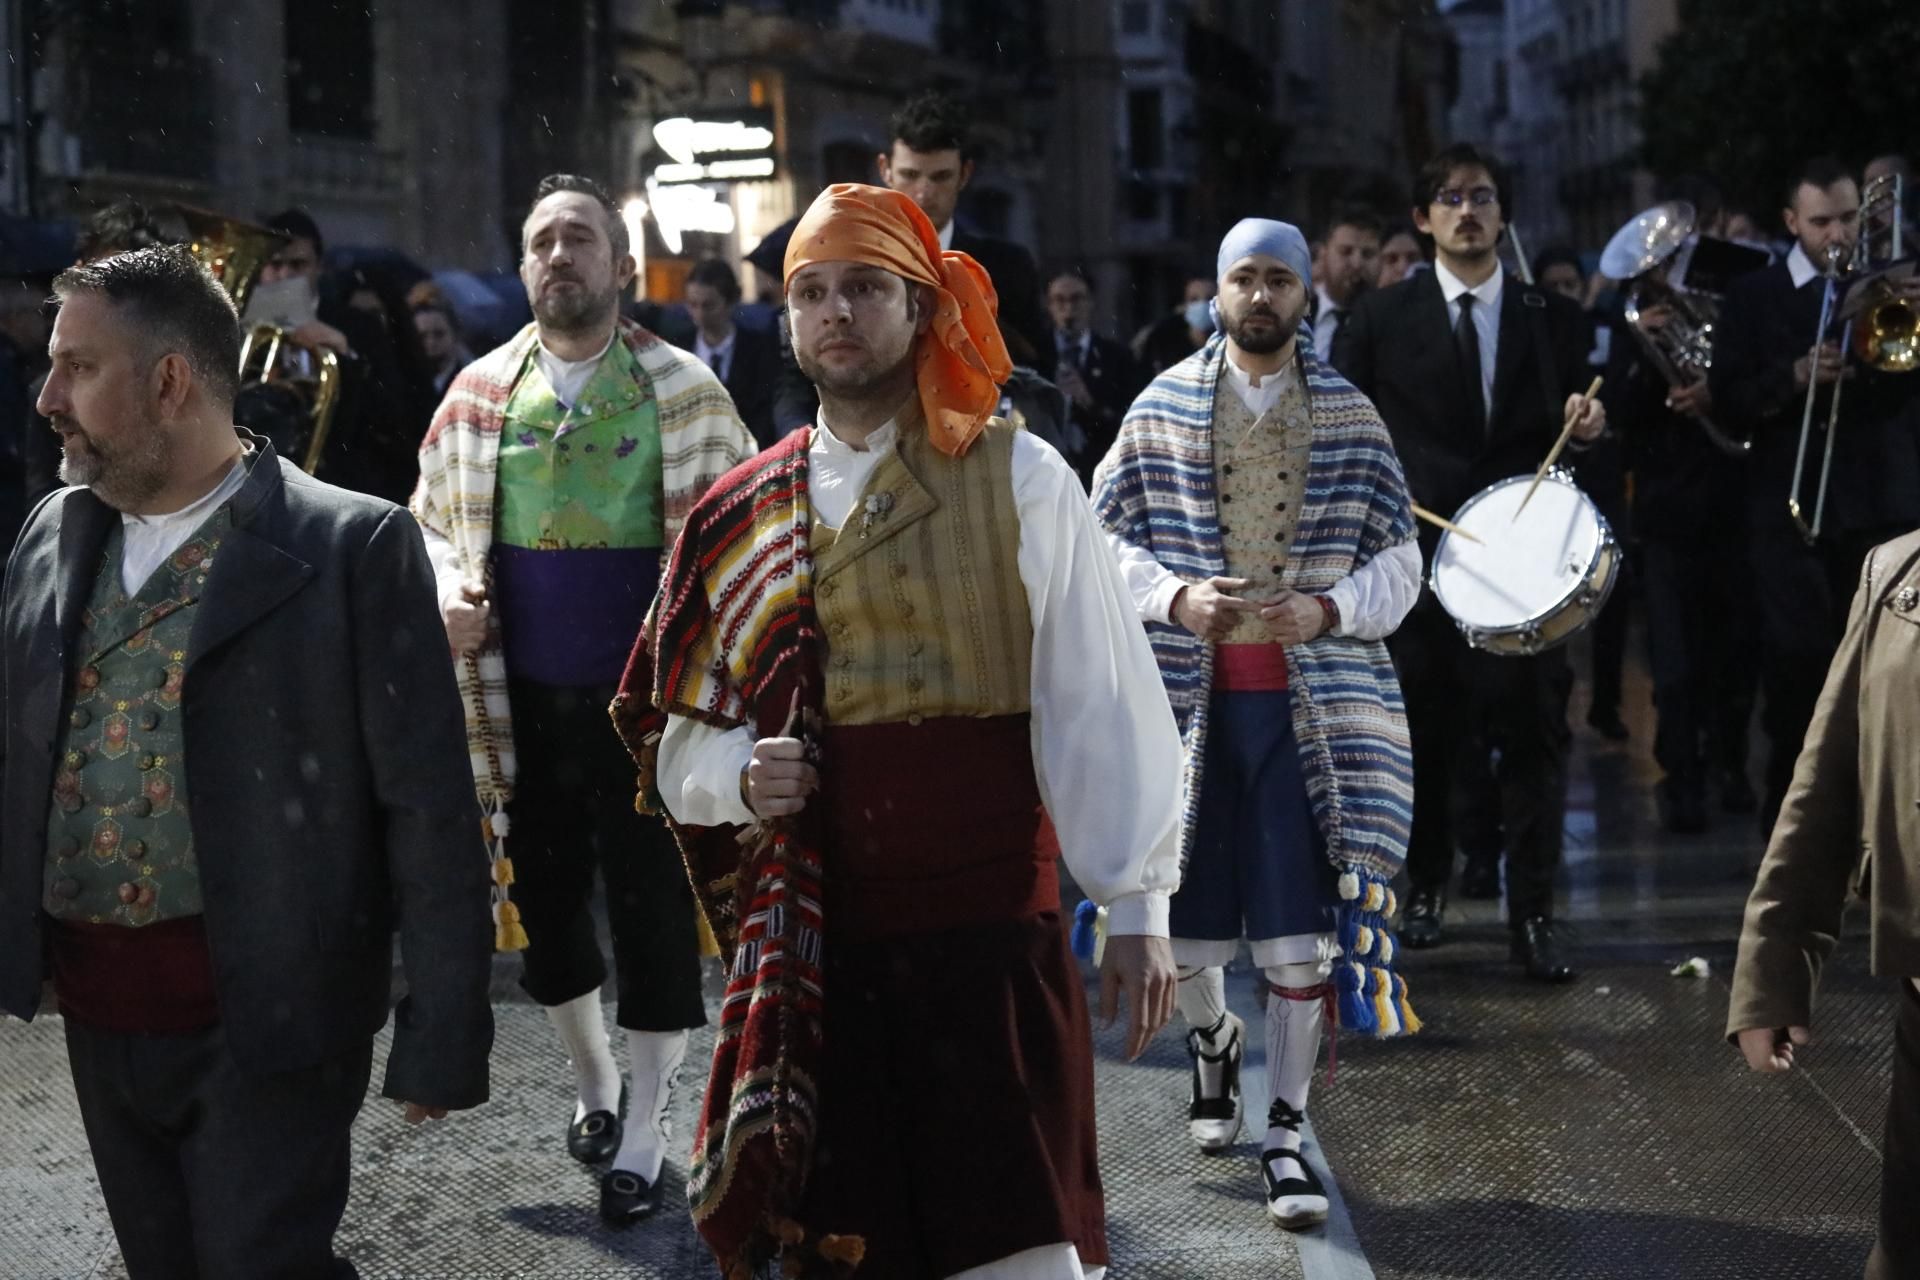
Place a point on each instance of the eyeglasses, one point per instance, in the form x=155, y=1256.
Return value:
x=1479, y=197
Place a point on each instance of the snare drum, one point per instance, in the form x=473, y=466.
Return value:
x=1532, y=583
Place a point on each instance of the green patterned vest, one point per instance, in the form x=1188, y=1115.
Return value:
x=120, y=847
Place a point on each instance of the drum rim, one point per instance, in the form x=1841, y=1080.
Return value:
x=1605, y=542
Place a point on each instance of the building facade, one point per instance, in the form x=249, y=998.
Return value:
x=1572, y=131
x=384, y=120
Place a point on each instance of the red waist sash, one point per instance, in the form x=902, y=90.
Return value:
x=935, y=825
x=153, y=980
x=1249, y=668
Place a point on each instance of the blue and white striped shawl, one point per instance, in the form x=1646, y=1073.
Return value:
x=1155, y=489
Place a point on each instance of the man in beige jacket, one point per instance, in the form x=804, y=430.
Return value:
x=1851, y=824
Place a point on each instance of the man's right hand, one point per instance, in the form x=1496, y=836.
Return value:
x=1832, y=364
x=466, y=617
x=1770, y=1049
x=778, y=778
x=1208, y=610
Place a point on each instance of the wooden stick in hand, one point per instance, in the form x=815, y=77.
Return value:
x=1553, y=456
x=1441, y=522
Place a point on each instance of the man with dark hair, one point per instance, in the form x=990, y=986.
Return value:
x=377, y=419
x=1097, y=375
x=556, y=472
x=1475, y=375
x=120, y=226
x=231, y=772
x=930, y=158
x=1348, y=268
x=746, y=361
x=1763, y=362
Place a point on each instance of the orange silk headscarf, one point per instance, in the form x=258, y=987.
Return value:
x=961, y=360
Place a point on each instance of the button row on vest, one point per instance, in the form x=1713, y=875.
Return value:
x=66, y=887
x=138, y=807
x=160, y=679
x=80, y=718
x=89, y=678
x=149, y=720
x=131, y=893
x=136, y=849
x=68, y=848
x=76, y=759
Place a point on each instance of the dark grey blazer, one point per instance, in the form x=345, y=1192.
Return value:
x=327, y=769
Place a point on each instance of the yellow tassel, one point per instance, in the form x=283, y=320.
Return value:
x=850, y=1250
x=786, y=1231
x=486, y=828
x=503, y=871
x=1392, y=904
x=1362, y=940
x=709, y=945
x=1383, y=1001
x=1408, y=1022
x=507, y=934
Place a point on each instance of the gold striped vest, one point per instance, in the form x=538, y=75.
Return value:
x=1260, y=473
x=919, y=595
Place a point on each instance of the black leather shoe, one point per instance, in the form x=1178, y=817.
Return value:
x=1682, y=806
x=595, y=1136
x=1480, y=878
x=1607, y=723
x=1736, y=793
x=625, y=1198
x=1534, y=947
x=1420, y=921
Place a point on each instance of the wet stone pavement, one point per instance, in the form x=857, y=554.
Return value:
x=1600, y=1131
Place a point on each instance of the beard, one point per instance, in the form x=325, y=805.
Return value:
x=124, y=477
x=1261, y=342
x=851, y=383
x=577, y=310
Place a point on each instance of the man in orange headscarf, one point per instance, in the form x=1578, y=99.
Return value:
x=889, y=647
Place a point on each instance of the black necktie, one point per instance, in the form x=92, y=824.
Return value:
x=1466, y=339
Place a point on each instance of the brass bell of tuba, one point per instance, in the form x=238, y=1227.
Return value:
x=308, y=382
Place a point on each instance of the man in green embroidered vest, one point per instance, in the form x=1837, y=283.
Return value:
x=232, y=769
x=555, y=471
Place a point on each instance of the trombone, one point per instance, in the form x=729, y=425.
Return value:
x=1810, y=532
x=1884, y=333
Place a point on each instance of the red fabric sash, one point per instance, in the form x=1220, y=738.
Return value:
x=1249, y=668
x=934, y=826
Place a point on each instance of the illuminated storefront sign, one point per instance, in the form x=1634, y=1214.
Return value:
x=729, y=146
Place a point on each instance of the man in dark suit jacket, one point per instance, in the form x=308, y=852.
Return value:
x=1762, y=364
x=747, y=361
x=1474, y=374
x=234, y=765
x=1097, y=375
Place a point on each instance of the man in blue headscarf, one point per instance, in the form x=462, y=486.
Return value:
x=1264, y=528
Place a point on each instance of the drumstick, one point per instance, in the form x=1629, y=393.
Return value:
x=1553, y=456
x=1432, y=519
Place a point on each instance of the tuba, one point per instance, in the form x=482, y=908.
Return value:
x=1668, y=263
x=292, y=406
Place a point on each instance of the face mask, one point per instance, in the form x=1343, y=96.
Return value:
x=1200, y=315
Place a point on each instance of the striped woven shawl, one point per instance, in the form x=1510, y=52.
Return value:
x=1155, y=489
x=700, y=438
x=733, y=640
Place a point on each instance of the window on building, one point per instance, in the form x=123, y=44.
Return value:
x=330, y=67
x=1146, y=132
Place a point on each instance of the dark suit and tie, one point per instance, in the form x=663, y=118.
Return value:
x=1112, y=380
x=1473, y=392
x=749, y=365
x=1803, y=591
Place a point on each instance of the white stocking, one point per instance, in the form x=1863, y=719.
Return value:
x=1294, y=1028
x=1202, y=996
x=583, y=1032
x=656, y=1057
